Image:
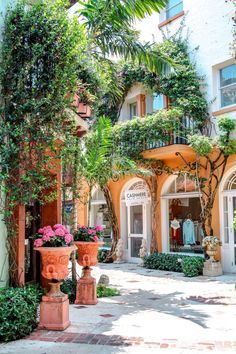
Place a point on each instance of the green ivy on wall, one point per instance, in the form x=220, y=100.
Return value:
x=182, y=85
x=133, y=137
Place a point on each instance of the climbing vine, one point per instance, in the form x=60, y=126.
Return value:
x=133, y=137
x=209, y=167
x=40, y=50
x=182, y=85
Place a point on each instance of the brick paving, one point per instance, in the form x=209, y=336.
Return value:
x=120, y=341
x=157, y=311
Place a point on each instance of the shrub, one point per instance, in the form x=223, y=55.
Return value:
x=103, y=291
x=18, y=312
x=162, y=261
x=192, y=266
x=69, y=287
x=102, y=254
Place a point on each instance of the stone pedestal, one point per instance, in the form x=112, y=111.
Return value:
x=86, y=292
x=212, y=269
x=54, y=313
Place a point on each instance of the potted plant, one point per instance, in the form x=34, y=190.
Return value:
x=87, y=240
x=55, y=245
x=211, y=243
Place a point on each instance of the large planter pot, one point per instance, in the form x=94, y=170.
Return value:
x=86, y=293
x=211, y=251
x=54, y=307
x=55, y=261
x=87, y=253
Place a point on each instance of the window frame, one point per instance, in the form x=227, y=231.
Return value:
x=131, y=105
x=172, y=7
x=223, y=87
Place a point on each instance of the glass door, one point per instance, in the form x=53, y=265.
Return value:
x=232, y=232
x=136, y=224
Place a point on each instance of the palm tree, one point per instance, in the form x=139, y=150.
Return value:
x=109, y=25
x=98, y=163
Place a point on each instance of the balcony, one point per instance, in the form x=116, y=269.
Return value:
x=152, y=147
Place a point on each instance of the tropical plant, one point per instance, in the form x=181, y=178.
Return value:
x=112, y=33
x=100, y=162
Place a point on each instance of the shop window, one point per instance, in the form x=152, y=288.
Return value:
x=173, y=8
x=228, y=85
x=133, y=110
x=185, y=232
x=158, y=102
x=184, y=223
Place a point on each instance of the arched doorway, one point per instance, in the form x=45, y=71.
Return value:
x=227, y=212
x=180, y=216
x=135, y=218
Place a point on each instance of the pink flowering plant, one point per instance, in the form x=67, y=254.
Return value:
x=88, y=234
x=53, y=236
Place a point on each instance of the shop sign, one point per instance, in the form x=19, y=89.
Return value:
x=136, y=196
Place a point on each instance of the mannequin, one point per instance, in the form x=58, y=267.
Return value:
x=188, y=231
x=175, y=228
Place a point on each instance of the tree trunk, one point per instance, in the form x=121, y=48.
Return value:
x=152, y=183
x=112, y=218
x=74, y=206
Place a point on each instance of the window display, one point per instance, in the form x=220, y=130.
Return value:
x=185, y=231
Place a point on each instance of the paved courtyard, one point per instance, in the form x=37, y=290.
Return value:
x=156, y=312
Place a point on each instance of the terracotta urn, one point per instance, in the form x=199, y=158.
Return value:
x=211, y=251
x=55, y=261
x=54, y=307
x=86, y=286
x=87, y=253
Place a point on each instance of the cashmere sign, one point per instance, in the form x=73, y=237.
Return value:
x=137, y=196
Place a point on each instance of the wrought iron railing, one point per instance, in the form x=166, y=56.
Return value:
x=179, y=136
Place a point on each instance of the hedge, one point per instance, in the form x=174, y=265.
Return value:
x=189, y=265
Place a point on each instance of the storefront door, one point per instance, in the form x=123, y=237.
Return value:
x=136, y=227
x=229, y=234
x=232, y=232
